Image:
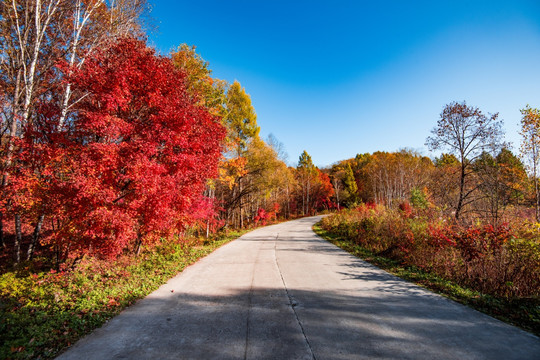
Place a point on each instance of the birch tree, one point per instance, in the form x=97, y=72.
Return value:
x=37, y=37
x=306, y=172
x=530, y=148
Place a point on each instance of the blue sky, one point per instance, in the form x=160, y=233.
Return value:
x=337, y=78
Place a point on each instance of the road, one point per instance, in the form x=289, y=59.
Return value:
x=281, y=292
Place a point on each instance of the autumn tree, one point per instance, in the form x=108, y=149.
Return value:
x=514, y=176
x=443, y=181
x=500, y=181
x=359, y=166
x=40, y=39
x=200, y=85
x=132, y=166
x=240, y=118
x=465, y=132
x=322, y=192
x=337, y=174
x=392, y=176
x=210, y=93
x=344, y=183
x=530, y=148
x=38, y=36
x=306, y=172
x=266, y=179
x=240, y=121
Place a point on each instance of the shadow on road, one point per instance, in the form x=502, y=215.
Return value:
x=294, y=296
x=254, y=324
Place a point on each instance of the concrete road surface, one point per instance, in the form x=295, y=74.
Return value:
x=281, y=292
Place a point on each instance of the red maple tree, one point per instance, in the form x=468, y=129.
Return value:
x=131, y=162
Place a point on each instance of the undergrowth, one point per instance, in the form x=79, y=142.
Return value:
x=42, y=313
x=522, y=312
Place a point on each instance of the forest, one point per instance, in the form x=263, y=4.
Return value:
x=109, y=147
x=111, y=152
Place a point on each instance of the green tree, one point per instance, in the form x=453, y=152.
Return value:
x=350, y=185
x=446, y=160
x=306, y=173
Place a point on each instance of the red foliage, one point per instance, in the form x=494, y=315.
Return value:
x=323, y=191
x=372, y=205
x=406, y=209
x=476, y=242
x=440, y=236
x=262, y=216
x=205, y=213
x=132, y=160
x=473, y=242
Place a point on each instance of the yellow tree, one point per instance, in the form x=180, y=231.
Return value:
x=530, y=148
x=241, y=123
x=266, y=179
x=240, y=118
x=444, y=181
x=200, y=85
x=500, y=181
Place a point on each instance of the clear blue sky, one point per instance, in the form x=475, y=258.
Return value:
x=337, y=78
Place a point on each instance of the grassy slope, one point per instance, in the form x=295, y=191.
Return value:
x=524, y=313
x=41, y=314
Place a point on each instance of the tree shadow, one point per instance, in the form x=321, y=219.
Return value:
x=274, y=323
x=366, y=314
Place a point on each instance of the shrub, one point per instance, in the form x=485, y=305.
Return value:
x=500, y=260
x=419, y=199
x=42, y=313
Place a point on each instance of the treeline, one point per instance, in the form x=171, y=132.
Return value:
x=469, y=216
x=476, y=177
x=108, y=147
x=497, y=183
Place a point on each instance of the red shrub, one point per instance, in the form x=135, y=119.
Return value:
x=262, y=216
x=477, y=242
x=440, y=236
x=406, y=209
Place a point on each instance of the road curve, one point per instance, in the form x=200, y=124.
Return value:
x=281, y=292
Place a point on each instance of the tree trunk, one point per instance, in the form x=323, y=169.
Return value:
x=288, y=203
x=337, y=193
x=536, y=192
x=2, y=242
x=138, y=243
x=35, y=237
x=240, y=197
x=18, y=239
x=461, y=190
x=537, y=203
x=307, y=198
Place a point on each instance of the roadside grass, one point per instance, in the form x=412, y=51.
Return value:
x=521, y=312
x=43, y=313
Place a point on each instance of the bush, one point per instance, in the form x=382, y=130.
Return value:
x=502, y=260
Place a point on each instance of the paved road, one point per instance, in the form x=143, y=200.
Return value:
x=281, y=292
